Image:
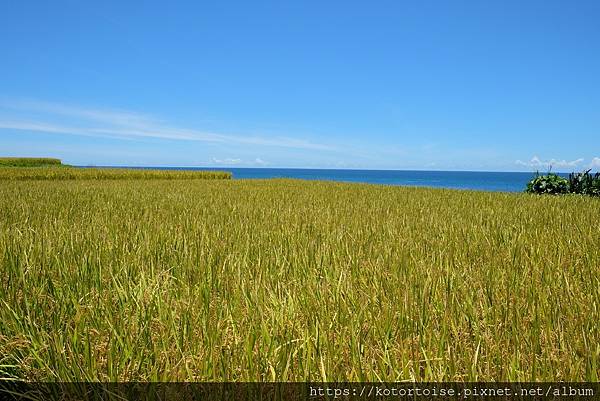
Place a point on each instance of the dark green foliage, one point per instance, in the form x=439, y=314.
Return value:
x=28, y=162
x=584, y=183
x=550, y=183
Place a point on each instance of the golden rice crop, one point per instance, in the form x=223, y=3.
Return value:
x=75, y=173
x=293, y=280
x=28, y=161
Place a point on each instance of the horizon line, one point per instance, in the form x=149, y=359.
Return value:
x=319, y=168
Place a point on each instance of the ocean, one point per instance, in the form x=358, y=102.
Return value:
x=474, y=180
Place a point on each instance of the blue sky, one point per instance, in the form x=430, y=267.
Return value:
x=439, y=85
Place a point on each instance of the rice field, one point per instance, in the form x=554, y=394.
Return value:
x=29, y=162
x=287, y=280
x=74, y=173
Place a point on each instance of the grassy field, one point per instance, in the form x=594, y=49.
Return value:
x=29, y=162
x=75, y=173
x=293, y=280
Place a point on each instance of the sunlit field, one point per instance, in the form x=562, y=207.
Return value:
x=61, y=172
x=287, y=280
x=29, y=162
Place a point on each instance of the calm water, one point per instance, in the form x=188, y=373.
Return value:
x=484, y=181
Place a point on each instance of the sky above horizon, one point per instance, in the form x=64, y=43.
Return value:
x=432, y=85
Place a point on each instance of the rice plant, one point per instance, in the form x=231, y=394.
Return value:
x=28, y=162
x=74, y=173
x=264, y=280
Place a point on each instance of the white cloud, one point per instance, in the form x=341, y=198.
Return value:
x=126, y=125
x=595, y=162
x=227, y=161
x=538, y=163
x=230, y=161
x=114, y=117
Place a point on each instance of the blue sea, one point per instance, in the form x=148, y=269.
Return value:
x=474, y=180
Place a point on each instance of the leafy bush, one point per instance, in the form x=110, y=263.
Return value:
x=584, y=183
x=550, y=183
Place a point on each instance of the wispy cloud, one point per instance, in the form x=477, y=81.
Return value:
x=538, y=163
x=76, y=120
x=595, y=163
x=107, y=116
x=227, y=161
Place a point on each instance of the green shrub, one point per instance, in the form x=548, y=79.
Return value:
x=550, y=183
x=584, y=183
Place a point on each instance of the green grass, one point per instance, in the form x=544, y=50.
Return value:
x=28, y=162
x=293, y=280
x=75, y=173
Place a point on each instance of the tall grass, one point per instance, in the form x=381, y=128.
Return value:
x=292, y=280
x=28, y=162
x=74, y=173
